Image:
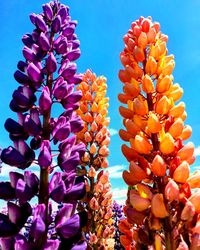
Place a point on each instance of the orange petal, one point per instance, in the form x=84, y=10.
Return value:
x=124, y=135
x=139, y=203
x=172, y=191
x=158, y=166
x=182, y=172
x=141, y=145
x=129, y=153
x=158, y=207
x=186, y=152
x=147, y=84
x=194, y=180
x=176, y=128
x=163, y=84
x=163, y=106
x=186, y=133
x=153, y=123
x=194, y=199
x=126, y=113
x=151, y=66
x=188, y=211
x=167, y=144
x=177, y=110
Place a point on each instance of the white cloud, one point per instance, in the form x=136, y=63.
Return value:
x=120, y=195
x=6, y=169
x=116, y=171
x=112, y=131
x=197, y=151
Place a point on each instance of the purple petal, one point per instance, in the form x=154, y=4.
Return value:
x=34, y=72
x=51, y=64
x=43, y=41
x=7, y=228
x=39, y=21
x=27, y=39
x=29, y=54
x=74, y=55
x=82, y=245
x=48, y=12
x=45, y=158
x=21, y=77
x=70, y=227
x=64, y=213
x=51, y=245
x=7, y=192
x=45, y=99
x=37, y=228
x=56, y=24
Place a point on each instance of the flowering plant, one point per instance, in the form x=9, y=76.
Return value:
x=161, y=209
x=47, y=75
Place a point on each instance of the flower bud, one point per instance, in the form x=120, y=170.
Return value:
x=93, y=148
x=194, y=199
x=163, y=106
x=186, y=152
x=151, y=66
x=51, y=64
x=141, y=145
x=167, y=144
x=177, y=110
x=92, y=172
x=163, y=84
x=172, y=191
x=158, y=207
x=158, y=166
x=147, y=84
x=140, y=107
x=186, y=133
x=139, y=203
x=176, y=129
x=194, y=180
x=188, y=211
x=182, y=172
x=153, y=123
x=142, y=40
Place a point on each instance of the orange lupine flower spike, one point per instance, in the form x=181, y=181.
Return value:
x=96, y=136
x=154, y=132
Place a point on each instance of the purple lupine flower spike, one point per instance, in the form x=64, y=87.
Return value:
x=47, y=76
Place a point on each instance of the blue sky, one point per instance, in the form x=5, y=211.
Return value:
x=101, y=26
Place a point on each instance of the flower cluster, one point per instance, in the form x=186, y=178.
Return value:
x=47, y=75
x=118, y=215
x=96, y=137
x=160, y=202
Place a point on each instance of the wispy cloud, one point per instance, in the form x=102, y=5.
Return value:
x=6, y=169
x=116, y=171
x=197, y=151
x=112, y=131
x=120, y=194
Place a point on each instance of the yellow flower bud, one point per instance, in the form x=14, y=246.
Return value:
x=158, y=208
x=163, y=106
x=168, y=68
x=176, y=92
x=141, y=145
x=139, y=203
x=176, y=129
x=151, y=66
x=167, y=144
x=154, y=52
x=147, y=84
x=163, y=84
x=182, y=172
x=153, y=123
x=158, y=166
x=162, y=48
